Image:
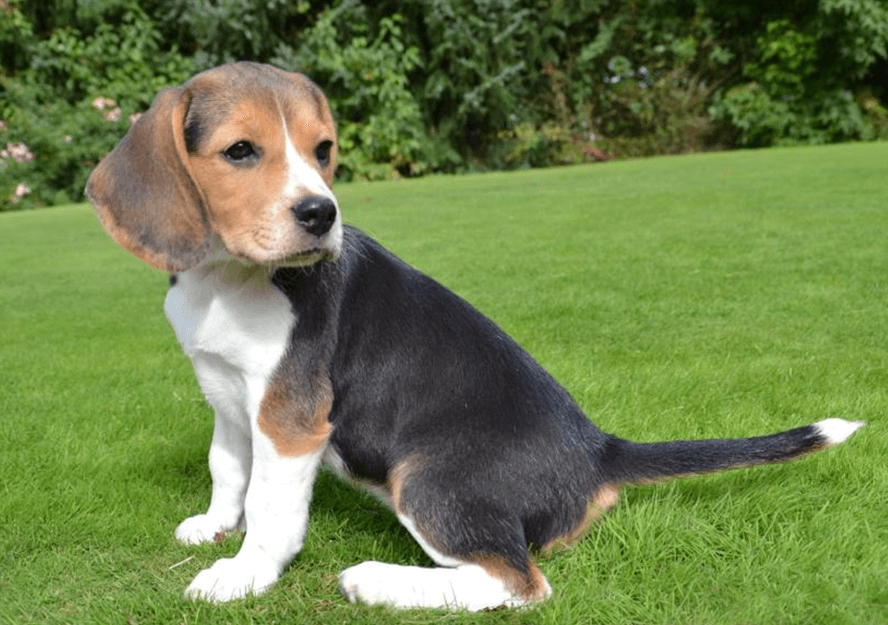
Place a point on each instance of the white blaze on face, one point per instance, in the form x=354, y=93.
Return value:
x=305, y=180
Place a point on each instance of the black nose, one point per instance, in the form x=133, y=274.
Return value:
x=315, y=214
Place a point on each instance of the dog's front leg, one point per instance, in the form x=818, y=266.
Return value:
x=230, y=458
x=277, y=504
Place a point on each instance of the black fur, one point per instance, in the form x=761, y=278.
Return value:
x=507, y=457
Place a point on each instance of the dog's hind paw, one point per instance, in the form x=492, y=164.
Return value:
x=366, y=583
x=466, y=587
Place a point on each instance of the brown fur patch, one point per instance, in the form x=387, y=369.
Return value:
x=601, y=501
x=143, y=192
x=398, y=476
x=530, y=586
x=297, y=425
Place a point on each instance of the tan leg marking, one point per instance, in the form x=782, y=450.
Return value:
x=398, y=476
x=297, y=425
x=528, y=587
x=601, y=501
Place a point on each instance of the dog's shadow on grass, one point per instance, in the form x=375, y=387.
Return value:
x=340, y=512
x=344, y=512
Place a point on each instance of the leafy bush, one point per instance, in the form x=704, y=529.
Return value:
x=423, y=86
x=876, y=114
x=365, y=72
x=481, y=69
x=220, y=31
x=66, y=142
x=641, y=85
x=74, y=102
x=450, y=85
x=776, y=107
x=666, y=114
x=791, y=96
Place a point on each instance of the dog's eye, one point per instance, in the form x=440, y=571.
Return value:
x=240, y=151
x=322, y=153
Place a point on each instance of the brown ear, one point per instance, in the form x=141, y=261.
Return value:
x=143, y=192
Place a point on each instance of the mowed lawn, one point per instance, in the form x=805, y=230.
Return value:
x=719, y=295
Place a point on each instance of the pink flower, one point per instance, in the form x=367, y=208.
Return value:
x=113, y=115
x=20, y=191
x=18, y=152
x=103, y=103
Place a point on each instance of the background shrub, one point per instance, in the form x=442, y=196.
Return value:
x=786, y=101
x=451, y=85
x=382, y=132
x=74, y=101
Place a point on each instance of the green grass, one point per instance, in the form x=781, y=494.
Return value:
x=716, y=295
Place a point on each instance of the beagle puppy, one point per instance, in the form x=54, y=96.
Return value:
x=314, y=345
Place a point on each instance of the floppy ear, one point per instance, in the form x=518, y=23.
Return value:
x=143, y=191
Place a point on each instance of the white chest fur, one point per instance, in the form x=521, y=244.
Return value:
x=234, y=325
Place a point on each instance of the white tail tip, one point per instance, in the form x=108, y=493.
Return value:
x=836, y=431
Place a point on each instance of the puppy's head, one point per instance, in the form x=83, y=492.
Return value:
x=243, y=154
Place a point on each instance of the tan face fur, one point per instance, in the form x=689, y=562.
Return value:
x=226, y=157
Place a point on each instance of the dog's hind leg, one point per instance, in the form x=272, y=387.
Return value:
x=473, y=582
x=470, y=587
x=479, y=547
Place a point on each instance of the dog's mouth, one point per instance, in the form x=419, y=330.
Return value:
x=306, y=258
x=283, y=253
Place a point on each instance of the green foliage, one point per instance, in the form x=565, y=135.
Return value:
x=455, y=85
x=786, y=59
x=877, y=115
x=775, y=108
x=220, y=31
x=445, y=79
x=665, y=114
x=852, y=35
x=481, y=72
x=66, y=141
x=122, y=61
x=642, y=83
x=74, y=102
x=794, y=92
x=381, y=129
x=16, y=33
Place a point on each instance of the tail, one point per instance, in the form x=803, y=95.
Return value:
x=627, y=462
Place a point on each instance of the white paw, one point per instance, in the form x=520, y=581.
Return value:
x=366, y=582
x=466, y=587
x=232, y=578
x=203, y=528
